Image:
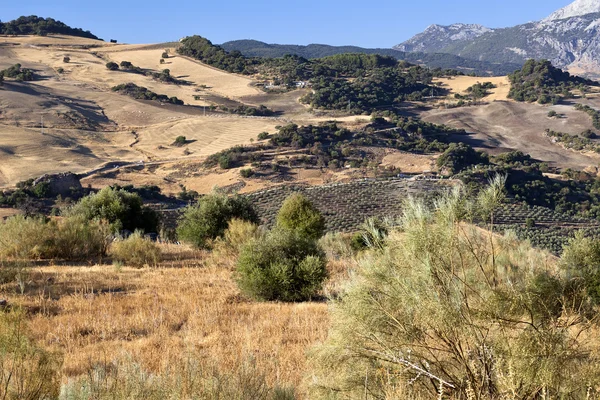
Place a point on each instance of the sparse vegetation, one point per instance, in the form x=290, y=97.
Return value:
x=141, y=93
x=135, y=251
x=17, y=73
x=112, y=66
x=594, y=114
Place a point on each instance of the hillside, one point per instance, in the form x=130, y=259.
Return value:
x=253, y=48
x=568, y=38
x=34, y=25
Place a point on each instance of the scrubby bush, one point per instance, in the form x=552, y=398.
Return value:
x=67, y=60
x=263, y=135
x=284, y=266
x=180, y=140
x=23, y=238
x=298, y=214
x=446, y=310
x=136, y=251
x=27, y=372
x=112, y=66
x=209, y=218
x=460, y=156
x=122, y=209
x=246, y=172
x=73, y=238
x=237, y=235
x=337, y=245
x=77, y=239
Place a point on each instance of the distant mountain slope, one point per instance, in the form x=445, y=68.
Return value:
x=34, y=25
x=436, y=38
x=254, y=48
x=570, y=38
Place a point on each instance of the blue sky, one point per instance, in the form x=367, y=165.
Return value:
x=381, y=23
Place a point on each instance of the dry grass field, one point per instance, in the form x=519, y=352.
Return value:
x=88, y=125
x=99, y=313
x=505, y=125
x=459, y=84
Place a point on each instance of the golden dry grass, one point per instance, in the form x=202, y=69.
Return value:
x=95, y=314
x=207, y=135
x=458, y=84
x=410, y=163
x=25, y=153
x=223, y=83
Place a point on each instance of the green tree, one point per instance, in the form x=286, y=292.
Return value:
x=122, y=209
x=298, y=214
x=459, y=156
x=283, y=266
x=209, y=218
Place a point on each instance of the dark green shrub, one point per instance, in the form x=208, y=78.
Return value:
x=246, y=172
x=460, y=156
x=298, y=214
x=165, y=54
x=529, y=222
x=209, y=218
x=225, y=161
x=67, y=60
x=552, y=114
x=112, y=66
x=283, y=266
x=263, y=135
x=60, y=70
x=122, y=209
x=180, y=140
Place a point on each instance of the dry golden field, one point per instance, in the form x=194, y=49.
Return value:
x=187, y=306
x=459, y=84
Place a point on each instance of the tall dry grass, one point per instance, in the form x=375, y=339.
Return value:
x=160, y=319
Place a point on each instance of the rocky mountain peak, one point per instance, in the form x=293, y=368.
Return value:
x=575, y=9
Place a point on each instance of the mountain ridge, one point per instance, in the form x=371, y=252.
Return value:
x=572, y=42
x=255, y=48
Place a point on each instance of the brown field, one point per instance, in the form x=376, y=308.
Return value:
x=95, y=314
x=503, y=126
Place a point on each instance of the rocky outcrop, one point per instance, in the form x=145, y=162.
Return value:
x=60, y=184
